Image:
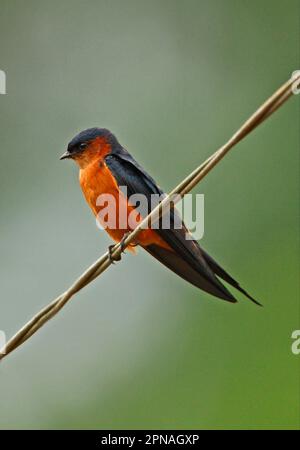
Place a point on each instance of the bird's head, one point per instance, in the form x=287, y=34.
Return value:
x=90, y=145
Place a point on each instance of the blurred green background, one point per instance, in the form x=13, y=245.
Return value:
x=140, y=348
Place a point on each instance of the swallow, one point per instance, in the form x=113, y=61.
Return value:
x=105, y=167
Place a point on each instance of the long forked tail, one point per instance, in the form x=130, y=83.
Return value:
x=226, y=277
x=182, y=268
x=189, y=272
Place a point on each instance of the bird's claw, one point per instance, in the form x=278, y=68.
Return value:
x=112, y=258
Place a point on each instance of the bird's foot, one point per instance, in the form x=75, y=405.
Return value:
x=122, y=242
x=112, y=258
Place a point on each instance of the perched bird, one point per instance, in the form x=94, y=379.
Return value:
x=105, y=167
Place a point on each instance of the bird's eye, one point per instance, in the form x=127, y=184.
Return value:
x=83, y=145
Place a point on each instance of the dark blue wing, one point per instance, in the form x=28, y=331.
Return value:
x=187, y=259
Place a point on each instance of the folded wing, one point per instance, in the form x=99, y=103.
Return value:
x=185, y=257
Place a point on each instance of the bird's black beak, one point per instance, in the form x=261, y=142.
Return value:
x=65, y=155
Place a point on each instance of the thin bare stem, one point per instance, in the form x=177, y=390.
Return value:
x=99, y=266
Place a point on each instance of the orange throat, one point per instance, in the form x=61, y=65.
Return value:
x=104, y=197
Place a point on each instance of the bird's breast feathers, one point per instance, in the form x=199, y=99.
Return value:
x=104, y=197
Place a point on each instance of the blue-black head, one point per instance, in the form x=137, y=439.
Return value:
x=94, y=138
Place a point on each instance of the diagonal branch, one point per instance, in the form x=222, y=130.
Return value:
x=99, y=266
